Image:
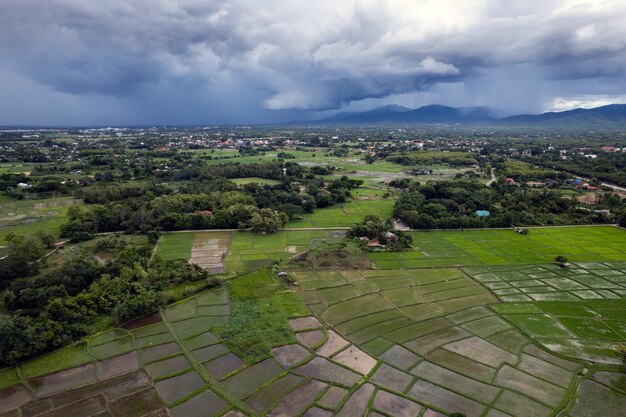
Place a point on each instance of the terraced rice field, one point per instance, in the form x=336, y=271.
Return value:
x=436, y=343
x=581, y=281
x=424, y=342
x=505, y=247
x=587, y=330
x=209, y=250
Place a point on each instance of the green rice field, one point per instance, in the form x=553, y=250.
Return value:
x=588, y=330
x=504, y=332
x=175, y=246
x=505, y=247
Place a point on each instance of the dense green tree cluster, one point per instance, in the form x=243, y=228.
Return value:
x=373, y=227
x=608, y=166
x=453, y=205
x=206, y=204
x=52, y=305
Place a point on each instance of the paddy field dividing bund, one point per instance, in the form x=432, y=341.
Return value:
x=476, y=322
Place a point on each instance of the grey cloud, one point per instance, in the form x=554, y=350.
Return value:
x=307, y=55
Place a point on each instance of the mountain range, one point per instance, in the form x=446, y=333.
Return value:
x=613, y=115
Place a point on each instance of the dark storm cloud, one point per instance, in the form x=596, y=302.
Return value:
x=309, y=55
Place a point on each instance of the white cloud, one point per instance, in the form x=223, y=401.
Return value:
x=584, y=102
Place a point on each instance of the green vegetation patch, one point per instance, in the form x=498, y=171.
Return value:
x=175, y=246
x=58, y=360
x=114, y=348
x=581, y=329
x=8, y=377
x=254, y=180
x=473, y=248
x=250, y=252
x=261, y=306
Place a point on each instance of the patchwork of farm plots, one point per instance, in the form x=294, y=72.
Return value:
x=177, y=362
x=208, y=250
x=139, y=371
x=588, y=330
x=241, y=251
x=437, y=343
x=505, y=247
x=485, y=340
x=581, y=281
x=393, y=298
x=403, y=343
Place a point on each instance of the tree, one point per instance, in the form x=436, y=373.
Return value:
x=267, y=221
x=561, y=260
x=139, y=305
x=622, y=219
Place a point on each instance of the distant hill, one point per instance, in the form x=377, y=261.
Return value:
x=428, y=114
x=613, y=116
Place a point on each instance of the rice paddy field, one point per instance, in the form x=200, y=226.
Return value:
x=505, y=247
x=241, y=251
x=510, y=335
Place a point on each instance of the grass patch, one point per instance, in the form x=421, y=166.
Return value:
x=346, y=214
x=261, y=306
x=58, y=360
x=342, y=254
x=8, y=378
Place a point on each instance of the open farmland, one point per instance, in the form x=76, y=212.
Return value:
x=240, y=250
x=437, y=343
x=588, y=330
x=396, y=342
x=505, y=247
x=31, y=216
x=175, y=246
x=364, y=202
x=249, y=251
x=549, y=282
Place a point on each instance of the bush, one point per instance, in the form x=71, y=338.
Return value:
x=560, y=259
x=142, y=304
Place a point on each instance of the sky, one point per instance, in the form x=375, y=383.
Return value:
x=168, y=62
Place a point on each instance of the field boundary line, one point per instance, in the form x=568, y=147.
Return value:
x=214, y=385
